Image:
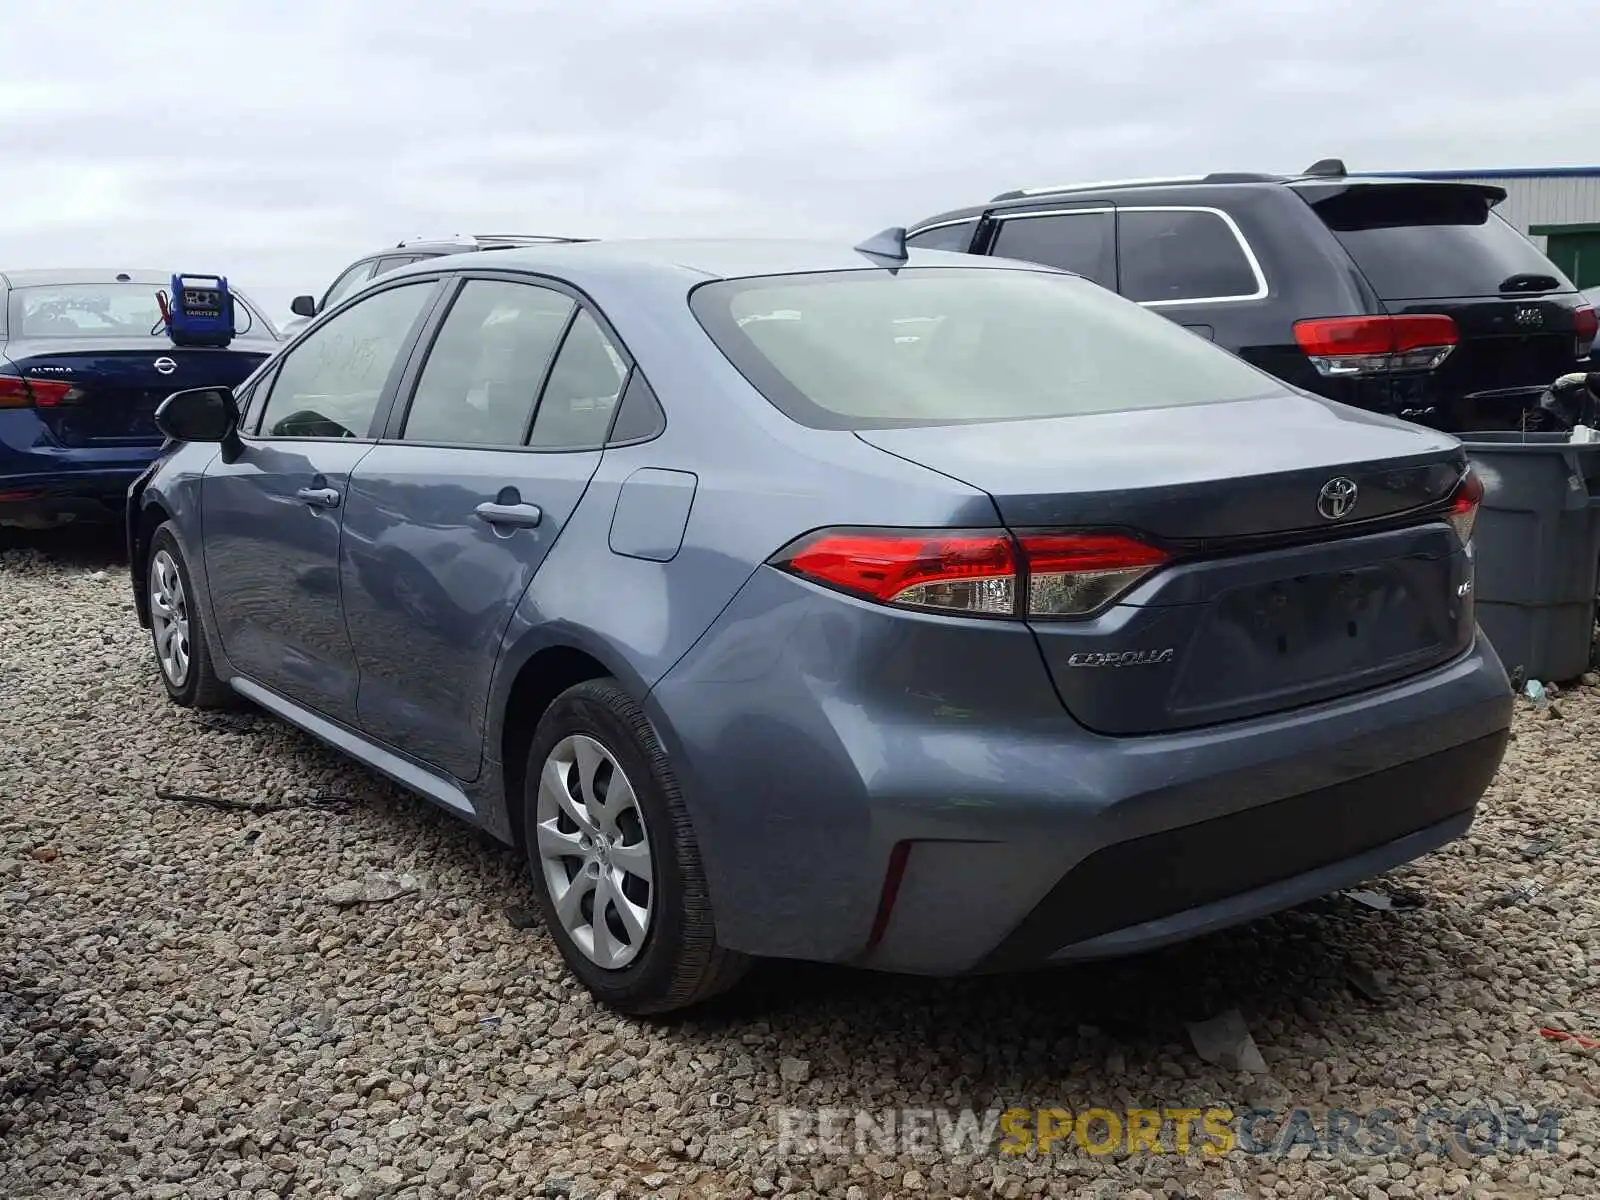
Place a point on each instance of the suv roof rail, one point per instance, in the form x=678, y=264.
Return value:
x=523, y=239
x=1241, y=177
x=1019, y=193
x=485, y=241
x=1151, y=181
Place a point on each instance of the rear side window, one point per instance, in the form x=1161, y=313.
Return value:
x=347, y=283
x=830, y=350
x=1084, y=243
x=386, y=265
x=956, y=237
x=581, y=393
x=1435, y=242
x=639, y=416
x=483, y=372
x=1173, y=254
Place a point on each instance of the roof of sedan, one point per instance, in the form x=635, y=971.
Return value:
x=57, y=276
x=726, y=258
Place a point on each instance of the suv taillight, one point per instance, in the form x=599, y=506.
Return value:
x=1585, y=324
x=1464, y=502
x=979, y=573
x=1342, y=346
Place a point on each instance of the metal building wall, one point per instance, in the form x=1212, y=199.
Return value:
x=1543, y=199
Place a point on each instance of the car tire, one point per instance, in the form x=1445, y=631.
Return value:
x=583, y=839
x=184, y=661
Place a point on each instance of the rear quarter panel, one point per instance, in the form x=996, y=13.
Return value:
x=760, y=481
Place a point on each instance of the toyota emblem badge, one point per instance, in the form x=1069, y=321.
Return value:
x=1337, y=498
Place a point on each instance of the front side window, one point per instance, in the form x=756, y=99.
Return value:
x=829, y=349
x=575, y=410
x=1084, y=243
x=1168, y=254
x=483, y=372
x=247, y=398
x=330, y=383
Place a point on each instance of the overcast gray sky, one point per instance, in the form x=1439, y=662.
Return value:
x=274, y=140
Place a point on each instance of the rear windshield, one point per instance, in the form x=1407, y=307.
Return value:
x=942, y=345
x=98, y=310
x=1430, y=243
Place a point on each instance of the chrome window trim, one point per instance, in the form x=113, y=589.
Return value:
x=1261, y=289
x=921, y=229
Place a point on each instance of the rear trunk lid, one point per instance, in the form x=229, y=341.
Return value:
x=115, y=388
x=1266, y=603
x=1437, y=247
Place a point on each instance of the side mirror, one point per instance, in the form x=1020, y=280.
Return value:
x=207, y=414
x=303, y=306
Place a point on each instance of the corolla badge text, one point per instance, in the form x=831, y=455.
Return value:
x=1122, y=658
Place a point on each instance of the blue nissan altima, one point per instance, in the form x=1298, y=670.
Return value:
x=915, y=611
x=84, y=361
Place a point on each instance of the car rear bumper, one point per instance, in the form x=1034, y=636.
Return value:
x=41, y=481
x=1197, y=878
x=910, y=797
x=87, y=495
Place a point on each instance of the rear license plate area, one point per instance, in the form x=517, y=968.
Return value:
x=1312, y=631
x=142, y=421
x=122, y=416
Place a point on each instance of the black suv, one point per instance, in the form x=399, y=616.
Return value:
x=398, y=255
x=1403, y=296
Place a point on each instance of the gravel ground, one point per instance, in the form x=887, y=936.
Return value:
x=184, y=1010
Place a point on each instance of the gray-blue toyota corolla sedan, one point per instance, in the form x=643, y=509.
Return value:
x=921, y=612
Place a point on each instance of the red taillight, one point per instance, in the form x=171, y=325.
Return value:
x=1463, y=514
x=975, y=572
x=48, y=393
x=960, y=570
x=1375, y=345
x=16, y=392
x=1070, y=574
x=1585, y=325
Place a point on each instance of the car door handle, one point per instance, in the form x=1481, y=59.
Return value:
x=320, y=497
x=520, y=516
